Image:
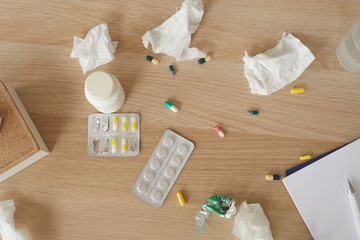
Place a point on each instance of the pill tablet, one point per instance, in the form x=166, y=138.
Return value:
x=168, y=141
x=170, y=172
x=176, y=161
x=183, y=150
x=142, y=187
x=155, y=164
x=163, y=184
x=161, y=153
x=156, y=196
x=149, y=176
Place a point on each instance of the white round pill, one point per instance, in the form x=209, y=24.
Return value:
x=155, y=164
x=183, y=149
x=149, y=176
x=161, y=152
x=156, y=196
x=142, y=187
x=169, y=141
x=163, y=184
x=176, y=161
x=170, y=172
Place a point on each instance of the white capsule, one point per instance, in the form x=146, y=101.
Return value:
x=115, y=123
x=123, y=145
x=114, y=145
x=124, y=123
x=133, y=123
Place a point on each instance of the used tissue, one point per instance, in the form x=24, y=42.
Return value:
x=173, y=37
x=277, y=67
x=95, y=49
x=251, y=223
x=7, y=226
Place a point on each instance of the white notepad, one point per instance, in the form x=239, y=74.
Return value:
x=319, y=192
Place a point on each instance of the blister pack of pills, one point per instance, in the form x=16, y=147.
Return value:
x=114, y=135
x=163, y=168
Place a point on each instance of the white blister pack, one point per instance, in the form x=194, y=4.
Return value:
x=163, y=168
x=113, y=135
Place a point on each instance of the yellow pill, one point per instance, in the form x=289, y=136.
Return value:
x=305, y=157
x=124, y=123
x=207, y=58
x=115, y=121
x=155, y=61
x=297, y=90
x=133, y=123
x=181, y=199
x=114, y=145
x=123, y=145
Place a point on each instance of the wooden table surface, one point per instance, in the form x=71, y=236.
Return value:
x=69, y=195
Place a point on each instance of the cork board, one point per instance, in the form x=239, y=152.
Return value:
x=16, y=140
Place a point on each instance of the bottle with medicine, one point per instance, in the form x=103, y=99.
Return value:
x=104, y=92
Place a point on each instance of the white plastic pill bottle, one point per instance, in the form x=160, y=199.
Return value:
x=104, y=92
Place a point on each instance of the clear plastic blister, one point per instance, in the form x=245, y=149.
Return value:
x=163, y=168
x=113, y=135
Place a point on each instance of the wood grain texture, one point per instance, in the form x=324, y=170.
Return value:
x=69, y=195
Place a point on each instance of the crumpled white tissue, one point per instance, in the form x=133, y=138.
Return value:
x=95, y=49
x=7, y=226
x=277, y=67
x=173, y=37
x=251, y=223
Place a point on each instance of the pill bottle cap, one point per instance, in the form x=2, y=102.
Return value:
x=99, y=85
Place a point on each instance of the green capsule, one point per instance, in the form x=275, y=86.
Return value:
x=252, y=112
x=172, y=71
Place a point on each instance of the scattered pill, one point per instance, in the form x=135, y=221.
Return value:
x=205, y=59
x=272, y=177
x=252, y=112
x=114, y=145
x=115, y=121
x=181, y=199
x=218, y=130
x=152, y=60
x=123, y=145
x=172, y=71
x=124, y=123
x=305, y=157
x=297, y=90
x=133, y=123
x=170, y=106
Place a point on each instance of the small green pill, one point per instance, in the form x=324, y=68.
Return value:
x=201, y=60
x=252, y=112
x=172, y=71
x=149, y=58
